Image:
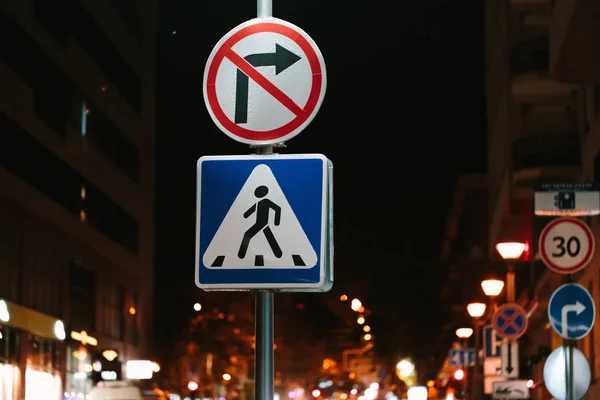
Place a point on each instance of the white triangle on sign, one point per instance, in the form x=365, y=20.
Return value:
x=252, y=219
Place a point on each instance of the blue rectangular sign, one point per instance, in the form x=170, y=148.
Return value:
x=491, y=341
x=462, y=357
x=264, y=222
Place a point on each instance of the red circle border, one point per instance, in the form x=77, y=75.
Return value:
x=313, y=98
x=521, y=311
x=579, y=266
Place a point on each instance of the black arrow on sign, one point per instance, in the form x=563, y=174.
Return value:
x=282, y=59
x=509, y=367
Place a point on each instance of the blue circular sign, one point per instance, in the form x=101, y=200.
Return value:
x=571, y=311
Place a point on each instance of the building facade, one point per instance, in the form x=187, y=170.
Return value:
x=543, y=113
x=76, y=192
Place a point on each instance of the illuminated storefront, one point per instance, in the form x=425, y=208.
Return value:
x=31, y=354
x=80, y=364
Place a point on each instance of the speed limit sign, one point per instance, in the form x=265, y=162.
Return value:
x=566, y=245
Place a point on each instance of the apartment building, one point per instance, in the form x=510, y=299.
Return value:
x=76, y=192
x=543, y=112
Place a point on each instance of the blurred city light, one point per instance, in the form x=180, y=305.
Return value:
x=197, y=307
x=355, y=305
x=316, y=393
x=343, y=297
x=192, y=386
x=530, y=384
x=367, y=337
x=360, y=320
x=226, y=377
x=464, y=333
x=367, y=328
x=405, y=368
x=417, y=393
x=459, y=374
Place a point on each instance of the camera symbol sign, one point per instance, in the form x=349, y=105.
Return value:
x=264, y=81
x=566, y=245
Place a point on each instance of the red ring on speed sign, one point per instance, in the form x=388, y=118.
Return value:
x=303, y=114
x=547, y=256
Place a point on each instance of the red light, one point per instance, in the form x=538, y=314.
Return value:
x=459, y=374
x=300, y=306
x=530, y=384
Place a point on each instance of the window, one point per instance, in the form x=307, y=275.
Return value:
x=105, y=136
x=108, y=58
x=9, y=344
x=59, y=182
x=112, y=311
x=82, y=293
x=133, y=321
x=44, y=272
x=51, y=87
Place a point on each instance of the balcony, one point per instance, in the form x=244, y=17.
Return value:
x=574, y=32
x=529, y=68
x=548, y=157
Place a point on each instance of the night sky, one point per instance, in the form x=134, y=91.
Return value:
x=404, y=113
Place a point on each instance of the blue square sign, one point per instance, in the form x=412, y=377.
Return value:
x=264, y=222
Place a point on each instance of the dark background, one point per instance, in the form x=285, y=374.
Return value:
x=404, y=113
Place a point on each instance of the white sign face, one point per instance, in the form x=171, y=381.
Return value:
x=566, y=245
x=510, y=390
x=264, y=81
x=555, y=376
x=509, y=353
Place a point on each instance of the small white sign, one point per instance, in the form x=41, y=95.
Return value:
x=509, y=353
x=567, y=199
x=510, y=390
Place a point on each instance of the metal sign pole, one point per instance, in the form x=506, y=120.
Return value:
x=264, y=8
x=571, y=393
x=263, y=316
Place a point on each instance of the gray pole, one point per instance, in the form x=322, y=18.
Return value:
x=264, y=8
x=476, y=379
x=263, y=353
x=264, y=323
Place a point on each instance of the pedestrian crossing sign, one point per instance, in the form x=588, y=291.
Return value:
x=264, y=222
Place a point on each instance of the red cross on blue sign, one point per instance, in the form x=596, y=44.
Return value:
x=510, y=321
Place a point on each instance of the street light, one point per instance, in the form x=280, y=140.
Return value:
x=355, y=305
x=360, y=320
x=464, y=333
x=197, y=307
x=510, y=252
x=476, y=310
x=492, y=287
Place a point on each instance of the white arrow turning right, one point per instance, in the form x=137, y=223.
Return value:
x=578, y=308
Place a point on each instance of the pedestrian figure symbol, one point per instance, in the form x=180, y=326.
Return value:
x=260, y=230
x=262, y=210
